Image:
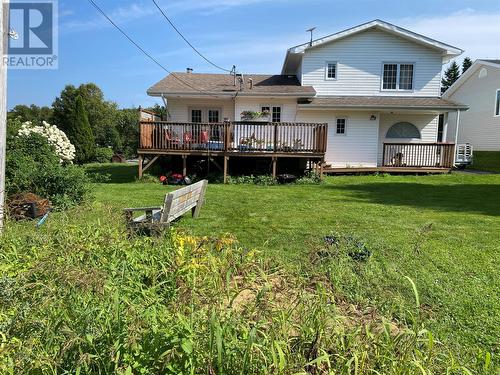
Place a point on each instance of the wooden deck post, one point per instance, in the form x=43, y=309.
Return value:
x=184, y=165
x=322, y=162
x=275, y=160
x=226, y=160
x=140, y=166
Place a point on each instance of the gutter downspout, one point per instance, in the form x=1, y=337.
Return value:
x=166, y=106
x=456, y=137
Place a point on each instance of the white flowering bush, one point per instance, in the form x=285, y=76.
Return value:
x=55, y=137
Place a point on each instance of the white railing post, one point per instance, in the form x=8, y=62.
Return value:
x=457, y=124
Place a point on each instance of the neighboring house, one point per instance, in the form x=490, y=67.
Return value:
x=374, y=85
x=479, y=87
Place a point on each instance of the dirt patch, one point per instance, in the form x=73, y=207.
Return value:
x=280, y=292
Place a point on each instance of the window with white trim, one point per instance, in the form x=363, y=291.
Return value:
x=196, y=115
x=341, y=124
x=331, y=70
x=204, y=114
x=274, y=112
x=213, y=115
x=497, y=103
x=396, y=76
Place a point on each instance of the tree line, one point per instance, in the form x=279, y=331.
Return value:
x=92, y=123
x=453, y=73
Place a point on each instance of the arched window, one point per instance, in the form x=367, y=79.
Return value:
x=403, y=130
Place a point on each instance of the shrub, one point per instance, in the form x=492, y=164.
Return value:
x=309, y=178
x=33, y=166
x=55, y=137
x=103, y=155
x=265, y=180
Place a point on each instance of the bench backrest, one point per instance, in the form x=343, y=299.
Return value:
x=180, y=201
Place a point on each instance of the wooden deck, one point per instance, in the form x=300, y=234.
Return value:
x=276, y=140
x=392, y=170
x=232, y=139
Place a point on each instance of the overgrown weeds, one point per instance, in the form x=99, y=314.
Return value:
x=89, y=300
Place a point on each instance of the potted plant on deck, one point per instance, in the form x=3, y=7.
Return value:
x=263, y=116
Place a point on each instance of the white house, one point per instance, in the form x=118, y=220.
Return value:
x=376, y=86
x=479, y=87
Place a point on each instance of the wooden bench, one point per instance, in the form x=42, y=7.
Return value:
x=176, y=204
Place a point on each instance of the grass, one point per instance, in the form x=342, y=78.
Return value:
x=487, y=161
x=439, y=231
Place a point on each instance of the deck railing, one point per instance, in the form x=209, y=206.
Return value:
x=438, y=155
x=244, y=137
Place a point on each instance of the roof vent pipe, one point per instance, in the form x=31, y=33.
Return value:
x=189, y=70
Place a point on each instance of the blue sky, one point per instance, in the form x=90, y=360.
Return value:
x=252, y=34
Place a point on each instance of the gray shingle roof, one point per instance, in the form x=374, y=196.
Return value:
x=492, y=61
x=373, y=102
x=224, y=84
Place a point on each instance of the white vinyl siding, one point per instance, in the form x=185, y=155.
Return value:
x=288, y=107
x=357, y=148
x=179, y=109
x=360, y=60
x=479, y=125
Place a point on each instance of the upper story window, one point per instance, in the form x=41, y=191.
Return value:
x=341, y=126
x=397, y=76
x=497, y=103
x=331, y=70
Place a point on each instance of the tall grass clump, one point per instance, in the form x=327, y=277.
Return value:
x=90, y=299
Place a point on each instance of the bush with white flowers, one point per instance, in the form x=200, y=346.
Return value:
x=55, y=137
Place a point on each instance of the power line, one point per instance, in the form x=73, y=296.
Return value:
x=187, y=41
x=144, y=51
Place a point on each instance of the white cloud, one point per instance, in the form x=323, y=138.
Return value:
x=134, y=11
x=208, y=6
x=476, y=33
x=119, y=15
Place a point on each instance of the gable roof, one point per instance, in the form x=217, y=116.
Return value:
x=223, y=85
x=496, y=62
x=468, y=73
x=448, y=51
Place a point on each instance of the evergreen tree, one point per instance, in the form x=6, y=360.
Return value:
x=80, y=133
x=100, y=112
x=450, y=76
x=466, y=64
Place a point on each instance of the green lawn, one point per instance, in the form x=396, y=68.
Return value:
x=441, y=231
x=454, y=263
x=486, y=161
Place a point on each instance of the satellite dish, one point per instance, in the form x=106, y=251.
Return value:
x=13, y=34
